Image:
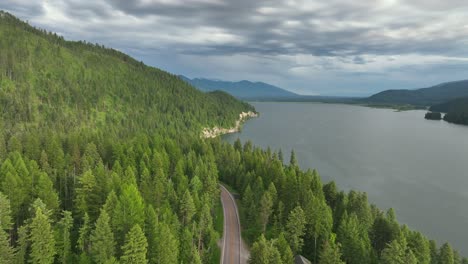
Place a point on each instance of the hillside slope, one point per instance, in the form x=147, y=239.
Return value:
x=422, y=97
x=456, y=110
x=47, y=81
x=242, y=89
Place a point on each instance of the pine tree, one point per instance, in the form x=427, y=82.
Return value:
x=84, y=235
x=355, y=241
x=166, y=248
x=260, y=252
x=446, y=254
x=21, y=249
x=434, y=252
x=330, y=253
x=284, y=249
x=397, y=252
x=5, y=213
x=293, y=160
x=264, y=252
x=102, y=240
x=295, y=228
x=266, y=206
x=129, y=211
x=6, y=251
x=64, y=241
x=42, y=239
x=187, y=207
x=135, y=247
x=420, y=247
x=44, y=189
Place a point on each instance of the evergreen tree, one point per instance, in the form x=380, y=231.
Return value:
x=187, y=207
x=41, y=239
x=355, y=241
x=397, y=252
x=266, y=208
x=129, y=211
x=6, y=251
x=446, y=254
x=64, y=240
x=284, y=249
x=434, y=252
x=87, y=196
x=166, y=247
x=330, y=253
x=102, y=240
x=5, y=213
x=21, y=249
x=135, y=247
x=295, y=229
x=44, y=190
x=84, y=235
x=263, y=252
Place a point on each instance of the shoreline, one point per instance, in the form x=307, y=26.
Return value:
x=217, y=131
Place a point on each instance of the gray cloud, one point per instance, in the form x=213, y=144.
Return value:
x=293, y=39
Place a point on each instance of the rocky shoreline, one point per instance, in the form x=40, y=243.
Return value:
x=217, y=131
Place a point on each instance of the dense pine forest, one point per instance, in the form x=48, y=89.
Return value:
x=101, y=161
x=287, y=211
x=101, y=156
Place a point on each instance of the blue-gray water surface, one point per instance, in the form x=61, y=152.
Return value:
x=419, y=167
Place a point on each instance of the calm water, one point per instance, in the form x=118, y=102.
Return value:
x=417, y=166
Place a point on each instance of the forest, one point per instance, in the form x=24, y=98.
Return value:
x=101, y=161
x=288, y=211
x=456, y=110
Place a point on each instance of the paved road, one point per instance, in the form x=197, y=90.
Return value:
x=233, y=251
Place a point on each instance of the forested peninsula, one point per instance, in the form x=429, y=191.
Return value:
x=102, y=160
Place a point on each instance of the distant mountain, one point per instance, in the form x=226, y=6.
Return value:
x=422, y=97
x=243, y=89
x=456, y=105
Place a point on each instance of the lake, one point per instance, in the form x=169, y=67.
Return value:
x=419, y=167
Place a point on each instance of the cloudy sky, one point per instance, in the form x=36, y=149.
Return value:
x=332, y=47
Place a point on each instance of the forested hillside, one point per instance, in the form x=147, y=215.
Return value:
x=52, y=83
x=287, y=211
x=101, y=161
x=100, y=156
x=421, y=97
x=456, y=110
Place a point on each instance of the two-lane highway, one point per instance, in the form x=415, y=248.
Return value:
x=233, y=251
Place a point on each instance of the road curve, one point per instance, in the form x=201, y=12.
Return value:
x=233, y=250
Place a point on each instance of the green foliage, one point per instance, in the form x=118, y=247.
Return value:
x=330, y=253
x=42, y=240
x=5, y=213
x=295, y=229
x=397, y=252
x=446, y=254
x=264, y=252
x=166, y=247
x=129, y=211
x=135, y=247
x=64, y=240
x=115, y=145
x=6, y=251
x=363, y=231
x=102, y=240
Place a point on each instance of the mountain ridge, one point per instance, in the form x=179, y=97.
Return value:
x=423, y=96
x=243, y=89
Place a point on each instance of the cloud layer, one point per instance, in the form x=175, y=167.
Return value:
x=326, y=47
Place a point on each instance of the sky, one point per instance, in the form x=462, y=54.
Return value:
x=332, y=47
